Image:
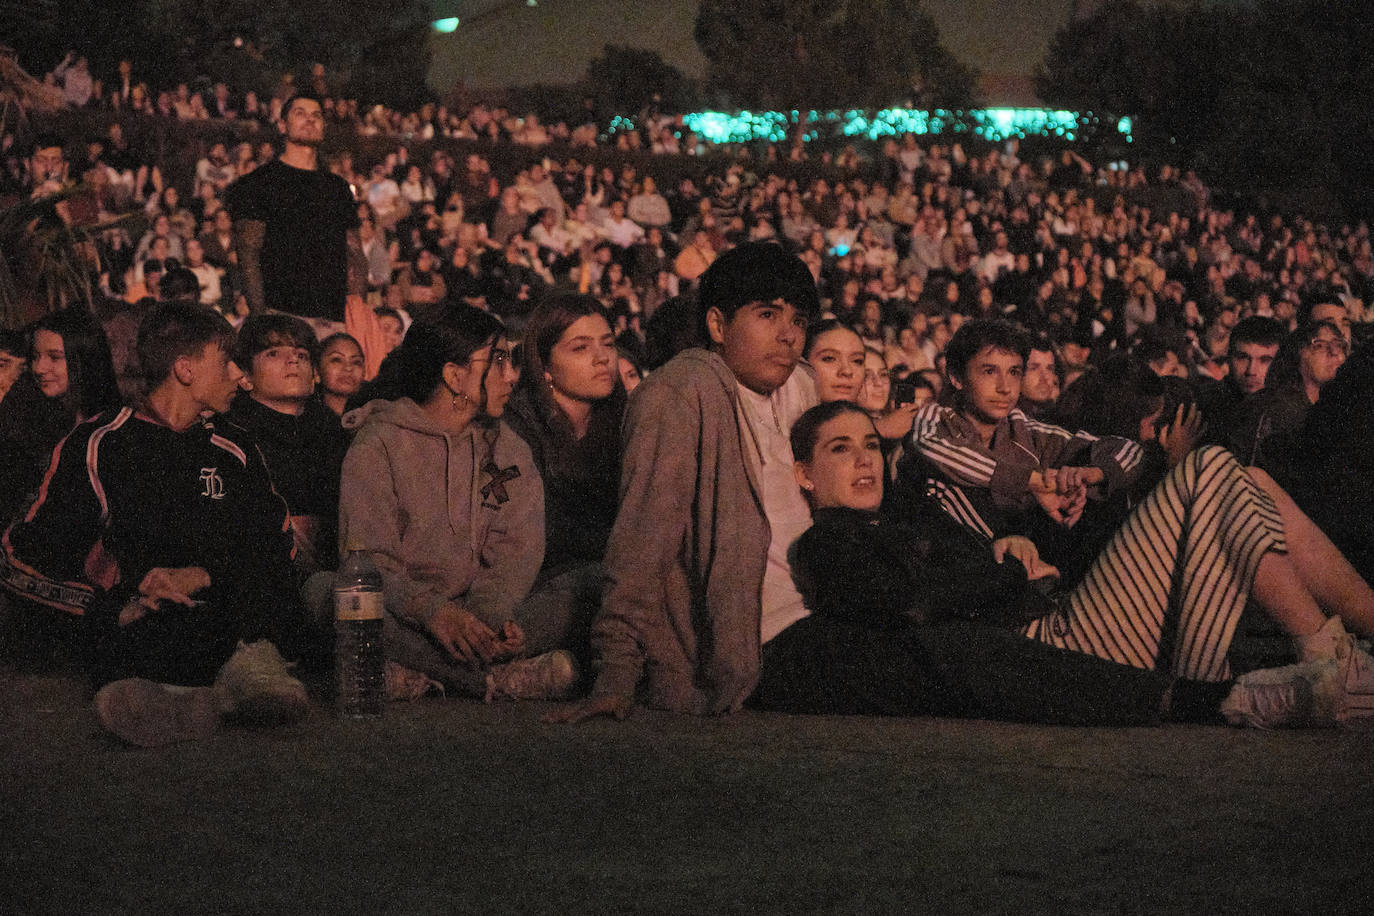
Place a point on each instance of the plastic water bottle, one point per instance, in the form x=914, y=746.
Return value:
x=359, y=659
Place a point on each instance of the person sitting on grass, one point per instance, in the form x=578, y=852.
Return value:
x=301, y=441
x=160, y=526
x=696, y=567
x=995, y=470
x=1165, y=595
x=70, y=377
x=568, y=406
x=449, y=504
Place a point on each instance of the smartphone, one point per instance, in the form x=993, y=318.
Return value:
x=903, y=391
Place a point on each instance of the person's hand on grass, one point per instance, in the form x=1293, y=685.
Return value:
x=616, y=707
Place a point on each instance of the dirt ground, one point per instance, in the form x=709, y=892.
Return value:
x=452, y=806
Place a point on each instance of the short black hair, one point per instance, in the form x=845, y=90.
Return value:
x=1155, y=344
x=756, y=272
x=273, y=329
x=973, y=337
x=1311, y=302
x=47, y=140
x=12, y=342
x=300, y=97
x=1041, y=343
x=672, y=328
x=1257, y=329
x=178, y=283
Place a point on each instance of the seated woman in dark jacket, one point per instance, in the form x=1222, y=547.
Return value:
x=70, y=378
x=1162, y=597
x=568, y=406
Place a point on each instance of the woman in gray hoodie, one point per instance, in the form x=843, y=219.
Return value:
x=447, y=501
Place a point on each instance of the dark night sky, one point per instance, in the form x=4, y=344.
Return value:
x=506, y=41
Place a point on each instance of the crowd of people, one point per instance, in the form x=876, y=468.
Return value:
x=939, y=432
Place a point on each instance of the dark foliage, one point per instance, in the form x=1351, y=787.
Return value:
x=1268, y=95
x=804, y=54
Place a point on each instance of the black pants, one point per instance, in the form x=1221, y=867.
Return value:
x=186, y=645
x=953, y=669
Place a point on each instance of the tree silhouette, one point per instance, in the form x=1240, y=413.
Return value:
x=805, y=54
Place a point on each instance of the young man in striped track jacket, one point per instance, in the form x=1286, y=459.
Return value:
x=994, y=469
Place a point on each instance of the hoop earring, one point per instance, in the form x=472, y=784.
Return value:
x=459, y=397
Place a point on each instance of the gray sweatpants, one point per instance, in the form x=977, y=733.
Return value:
x=556, y=615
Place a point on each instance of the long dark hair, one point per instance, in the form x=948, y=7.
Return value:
x=1286, y=370
x=91, y=385
x=1112, y=399
x=546, y=326
x=416, y=368
x=807, y=429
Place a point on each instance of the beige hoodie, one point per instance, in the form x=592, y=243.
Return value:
x=446, y=517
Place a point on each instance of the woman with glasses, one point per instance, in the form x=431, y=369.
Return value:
x=447, y=501
x=1308, y=358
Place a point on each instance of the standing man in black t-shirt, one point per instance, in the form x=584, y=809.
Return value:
x=297, y=228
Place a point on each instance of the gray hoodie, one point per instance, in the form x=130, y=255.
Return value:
x=446, y=517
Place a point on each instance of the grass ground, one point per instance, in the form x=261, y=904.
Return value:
x=451, y=806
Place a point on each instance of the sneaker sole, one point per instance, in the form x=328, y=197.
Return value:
x=1358, y=711
x=268, y=710
x=147, y=714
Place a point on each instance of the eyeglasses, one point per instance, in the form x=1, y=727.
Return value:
x=1329, y=347
x=498, y=358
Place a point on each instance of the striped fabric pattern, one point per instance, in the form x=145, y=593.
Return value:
x=956, y=504
x=1174, y=579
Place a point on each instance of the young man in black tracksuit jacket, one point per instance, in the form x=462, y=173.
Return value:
x=162, y=529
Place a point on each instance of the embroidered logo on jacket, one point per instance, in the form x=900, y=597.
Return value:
x=495, y=488
x=213, y=483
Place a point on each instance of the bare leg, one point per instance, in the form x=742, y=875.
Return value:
x=1319, y=564
x=1282, y=593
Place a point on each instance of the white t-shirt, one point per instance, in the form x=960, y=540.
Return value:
x=207, y=275
x=768, y=447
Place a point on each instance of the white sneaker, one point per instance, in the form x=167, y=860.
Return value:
x=148, y=714
x=1305, y=695
x=1357, y=677
x=404, y=683
x=1356, y=669
x=256, y=687
x=551, y=676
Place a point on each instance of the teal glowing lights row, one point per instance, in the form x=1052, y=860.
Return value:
x=988, y=123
